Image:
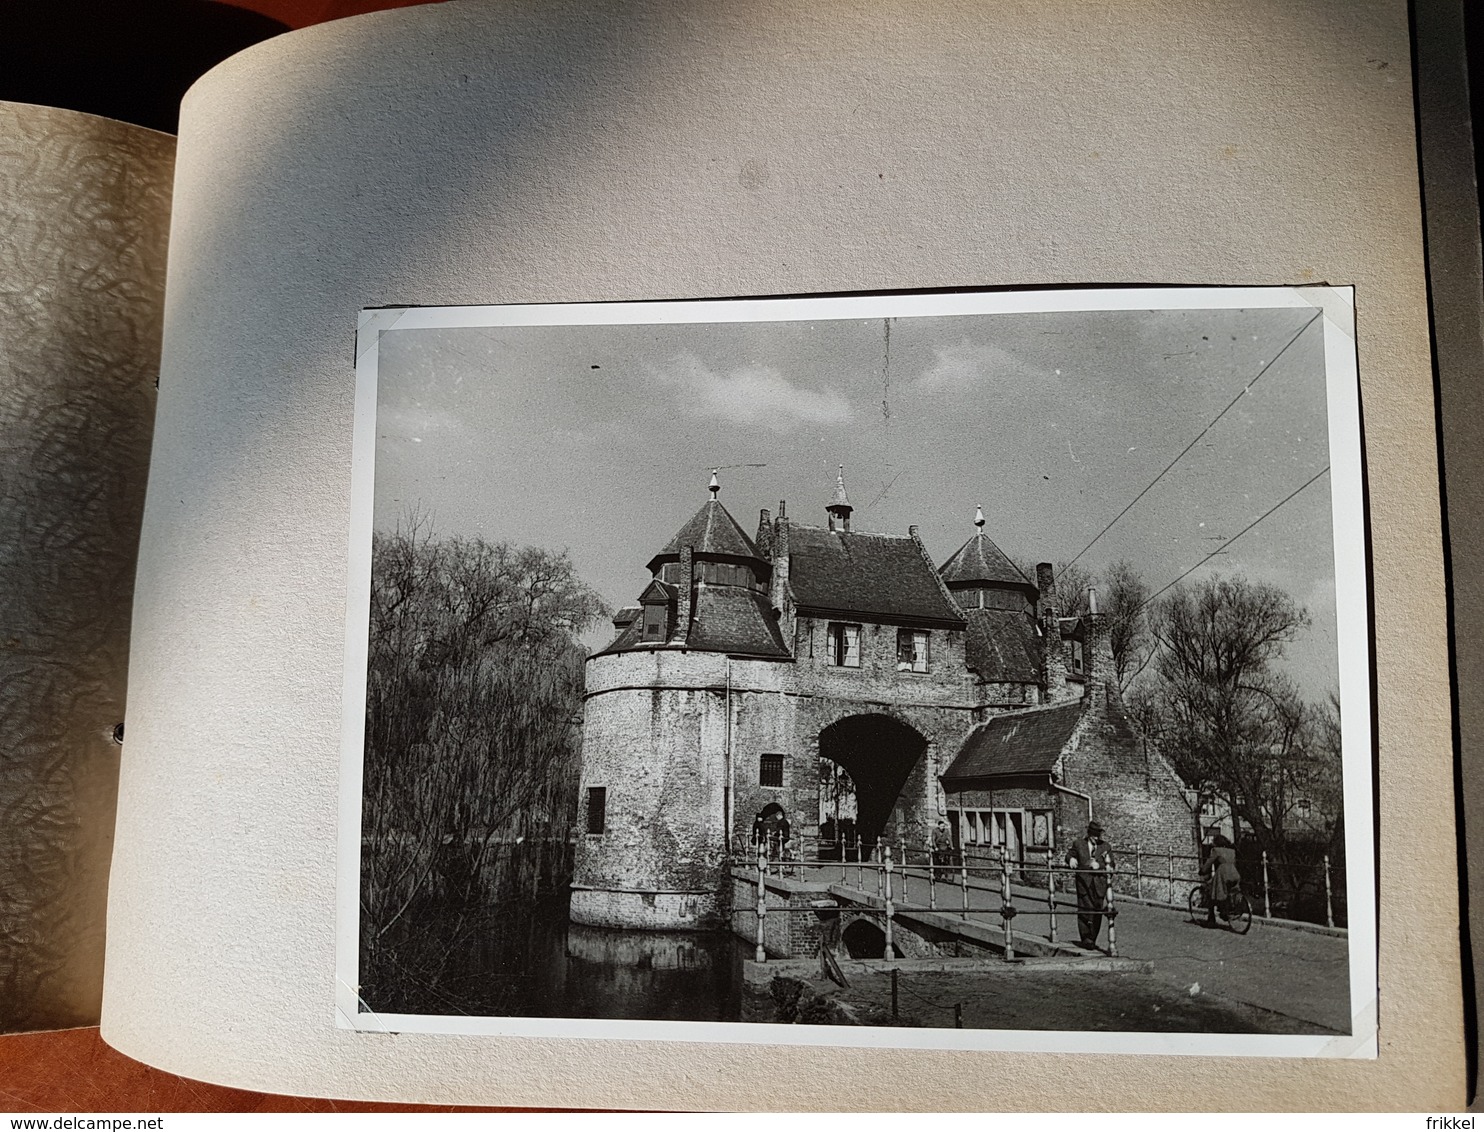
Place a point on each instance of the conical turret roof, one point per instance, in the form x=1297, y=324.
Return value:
x=711, y=530
x=979, y=562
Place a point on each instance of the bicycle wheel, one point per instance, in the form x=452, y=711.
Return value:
x=1197, y=904
x=1241, y=913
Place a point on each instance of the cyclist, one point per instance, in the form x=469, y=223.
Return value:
x=1220, y=876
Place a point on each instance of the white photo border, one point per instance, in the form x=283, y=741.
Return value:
x=1351, y=552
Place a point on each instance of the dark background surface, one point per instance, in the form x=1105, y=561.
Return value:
x=134, y=59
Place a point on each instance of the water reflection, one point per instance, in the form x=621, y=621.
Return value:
x=527, y=960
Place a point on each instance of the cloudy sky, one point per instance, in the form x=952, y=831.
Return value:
x=600, y=439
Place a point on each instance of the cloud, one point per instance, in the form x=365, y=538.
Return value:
x=966, y=364
x=751, y=394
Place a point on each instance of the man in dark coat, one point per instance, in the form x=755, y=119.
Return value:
x=1093, y=860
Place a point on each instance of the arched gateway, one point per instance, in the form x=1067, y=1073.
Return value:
x=820, y=672
x=867, y=779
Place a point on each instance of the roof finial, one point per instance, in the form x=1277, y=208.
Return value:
x=979, y=517
x=715, y=488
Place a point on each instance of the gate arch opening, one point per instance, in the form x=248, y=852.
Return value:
x=877, y=755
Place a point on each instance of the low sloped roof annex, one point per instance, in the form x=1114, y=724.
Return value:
x=871, y=576
x=1022, y=743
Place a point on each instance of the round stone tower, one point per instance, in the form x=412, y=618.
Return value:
x=657, y=728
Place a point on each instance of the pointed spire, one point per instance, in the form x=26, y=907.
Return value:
x=715, y=487
x=979, y=518
x=840, y=497
x=840, y=507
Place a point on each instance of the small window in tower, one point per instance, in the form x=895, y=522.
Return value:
x=1304, y=807
x=654, y=622
x=770, y=770
x=912, y=650
x=597, y=808
x=845, y=645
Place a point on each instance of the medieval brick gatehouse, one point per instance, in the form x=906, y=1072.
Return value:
x=843, y=680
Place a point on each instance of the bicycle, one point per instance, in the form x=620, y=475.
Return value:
x=1237, y=914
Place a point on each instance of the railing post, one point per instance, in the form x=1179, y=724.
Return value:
x=1329, y=904
x=1138, y=870
x=1267, y=904
x=880, y=860
x=963, y=880
x=1051, y=896
x=933, y=879
x=1170, y=882
x=886, y=874
x=762, y=900
x=860, y=863
x=902, y=845
x=1112, y=913
x=1007, y=909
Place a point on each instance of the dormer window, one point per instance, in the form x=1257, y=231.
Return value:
x=655, y=622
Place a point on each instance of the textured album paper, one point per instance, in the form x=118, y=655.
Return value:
x=469, y=153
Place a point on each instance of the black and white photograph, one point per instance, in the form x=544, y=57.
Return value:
x=963, y=670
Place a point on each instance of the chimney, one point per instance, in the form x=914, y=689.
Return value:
x=1048, y=613
x=1102, y=681
x=681, y=629
x=779, y=591
x=764, y=538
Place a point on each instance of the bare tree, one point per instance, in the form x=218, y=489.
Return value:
x=1230, y=723
x=1123, y=597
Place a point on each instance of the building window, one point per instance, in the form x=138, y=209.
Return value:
x=1041, y=829
x=845, y=645
x=1079, y=665
x=654, y=622
x=1304, y=807
x=597, y=808
x=912, y=650
x=770, y=770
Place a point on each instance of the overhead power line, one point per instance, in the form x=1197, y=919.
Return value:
x=1222, y=549
x=1149, y=487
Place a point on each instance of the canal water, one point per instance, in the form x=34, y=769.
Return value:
x=526, y=959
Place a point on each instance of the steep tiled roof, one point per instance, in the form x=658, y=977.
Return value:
x=712, y=530
x=980, y=561
x=1002, y=646
x=1027, y=742
x=723, y=619
x=853, y=573
x=734, y=620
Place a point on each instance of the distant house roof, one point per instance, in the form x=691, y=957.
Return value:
x=711, y=530
x=980, y=562
x=1026, y=742
x=884, y=576
x=1002, y=646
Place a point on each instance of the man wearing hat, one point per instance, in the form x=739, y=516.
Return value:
x=1093, y=860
